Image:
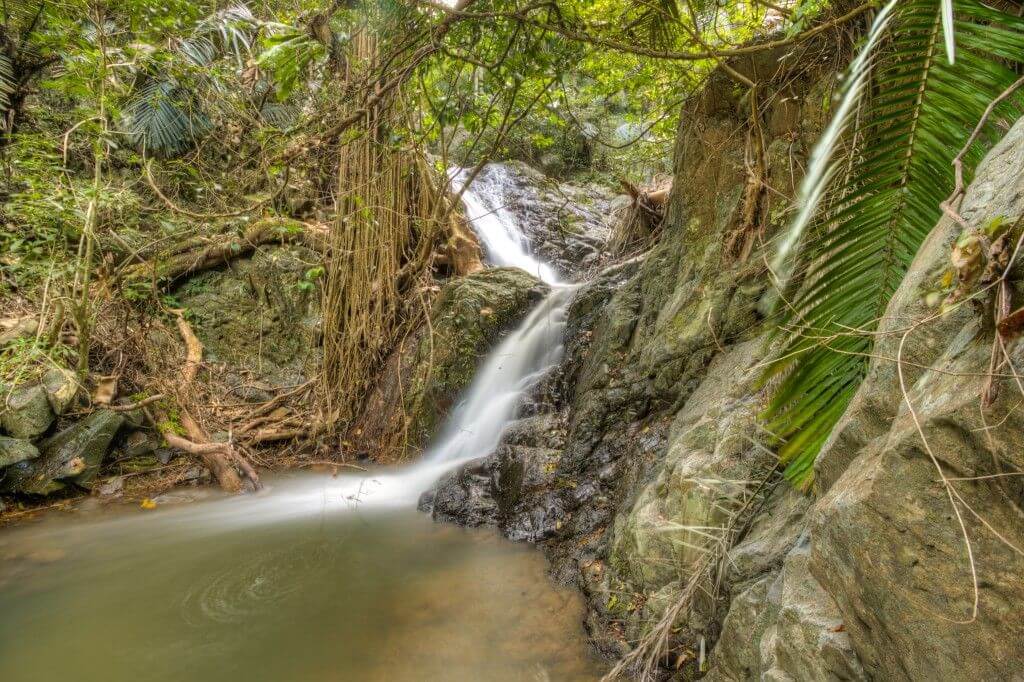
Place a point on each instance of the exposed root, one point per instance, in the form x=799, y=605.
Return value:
x=222, y=459
x=640, y=223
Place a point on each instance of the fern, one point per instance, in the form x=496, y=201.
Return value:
x=856, y=252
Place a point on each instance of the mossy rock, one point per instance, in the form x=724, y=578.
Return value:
x=257, y=314
x=27, y=412
x=75, y=453
x=423, y=378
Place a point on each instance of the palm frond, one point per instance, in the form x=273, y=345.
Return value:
x=278, y=115
x=230, y=32
x=199, y=50
x=7, y=82
x=855, y=253
x=164, y=120
x=289, y=52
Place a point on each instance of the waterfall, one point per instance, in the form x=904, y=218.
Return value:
x=475, y=426
x=503, y=241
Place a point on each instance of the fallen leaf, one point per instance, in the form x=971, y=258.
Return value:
x=1011, y=325
x=106, y=390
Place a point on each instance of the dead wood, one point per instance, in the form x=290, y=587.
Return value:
x=220, y=458
x=168, y=267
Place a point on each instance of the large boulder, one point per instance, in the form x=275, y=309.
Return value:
x=14, y=450
x=258, y=317
x=27, y=412
x=75, y=454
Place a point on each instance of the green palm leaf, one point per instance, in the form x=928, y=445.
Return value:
x=7, y=82
x=164, y=120
x=856, y=252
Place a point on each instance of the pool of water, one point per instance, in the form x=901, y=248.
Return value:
x=291, y=585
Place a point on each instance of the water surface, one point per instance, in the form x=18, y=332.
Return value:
x=274, y=587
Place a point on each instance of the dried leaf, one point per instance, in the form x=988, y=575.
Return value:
x=1011, y=325
x=106, y=390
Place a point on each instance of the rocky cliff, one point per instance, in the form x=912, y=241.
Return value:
x=642, y=468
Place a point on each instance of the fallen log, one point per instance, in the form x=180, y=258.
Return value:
x=169, y=267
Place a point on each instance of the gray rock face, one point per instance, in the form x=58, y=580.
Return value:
x=75, y=453
x=27, y=413
x=660, y=462
x=785, y=627
x=13, y=450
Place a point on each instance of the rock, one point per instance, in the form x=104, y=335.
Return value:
x=27, y=412
x=14, y=450
x=61, y=387
x=111, y=487
x=785, y=627
x=463, y=496
x=257, y=316
x=75, y=453
x=17, y=328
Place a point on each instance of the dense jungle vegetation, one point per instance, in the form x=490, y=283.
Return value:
x=235, y=239
x=144, y=142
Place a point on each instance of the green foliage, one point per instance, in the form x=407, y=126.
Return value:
x=164, y=119
x=287, y=55
x=920, y=115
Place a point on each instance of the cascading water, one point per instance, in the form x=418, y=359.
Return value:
x=503, y=241
x=526, y=355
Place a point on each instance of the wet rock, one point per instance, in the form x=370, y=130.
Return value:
x=61, y=387
x=540, y=430
x=566, y=224
x=75, y=453
x=14, y=450
x=463, y=496
x=27, y=412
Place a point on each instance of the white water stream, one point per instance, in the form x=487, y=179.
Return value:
x=475, y=426
x=503, y=240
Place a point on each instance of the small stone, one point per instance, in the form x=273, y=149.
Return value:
x=27, y=412
x=14, y=450
x=111, y=487
x=61, y=387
